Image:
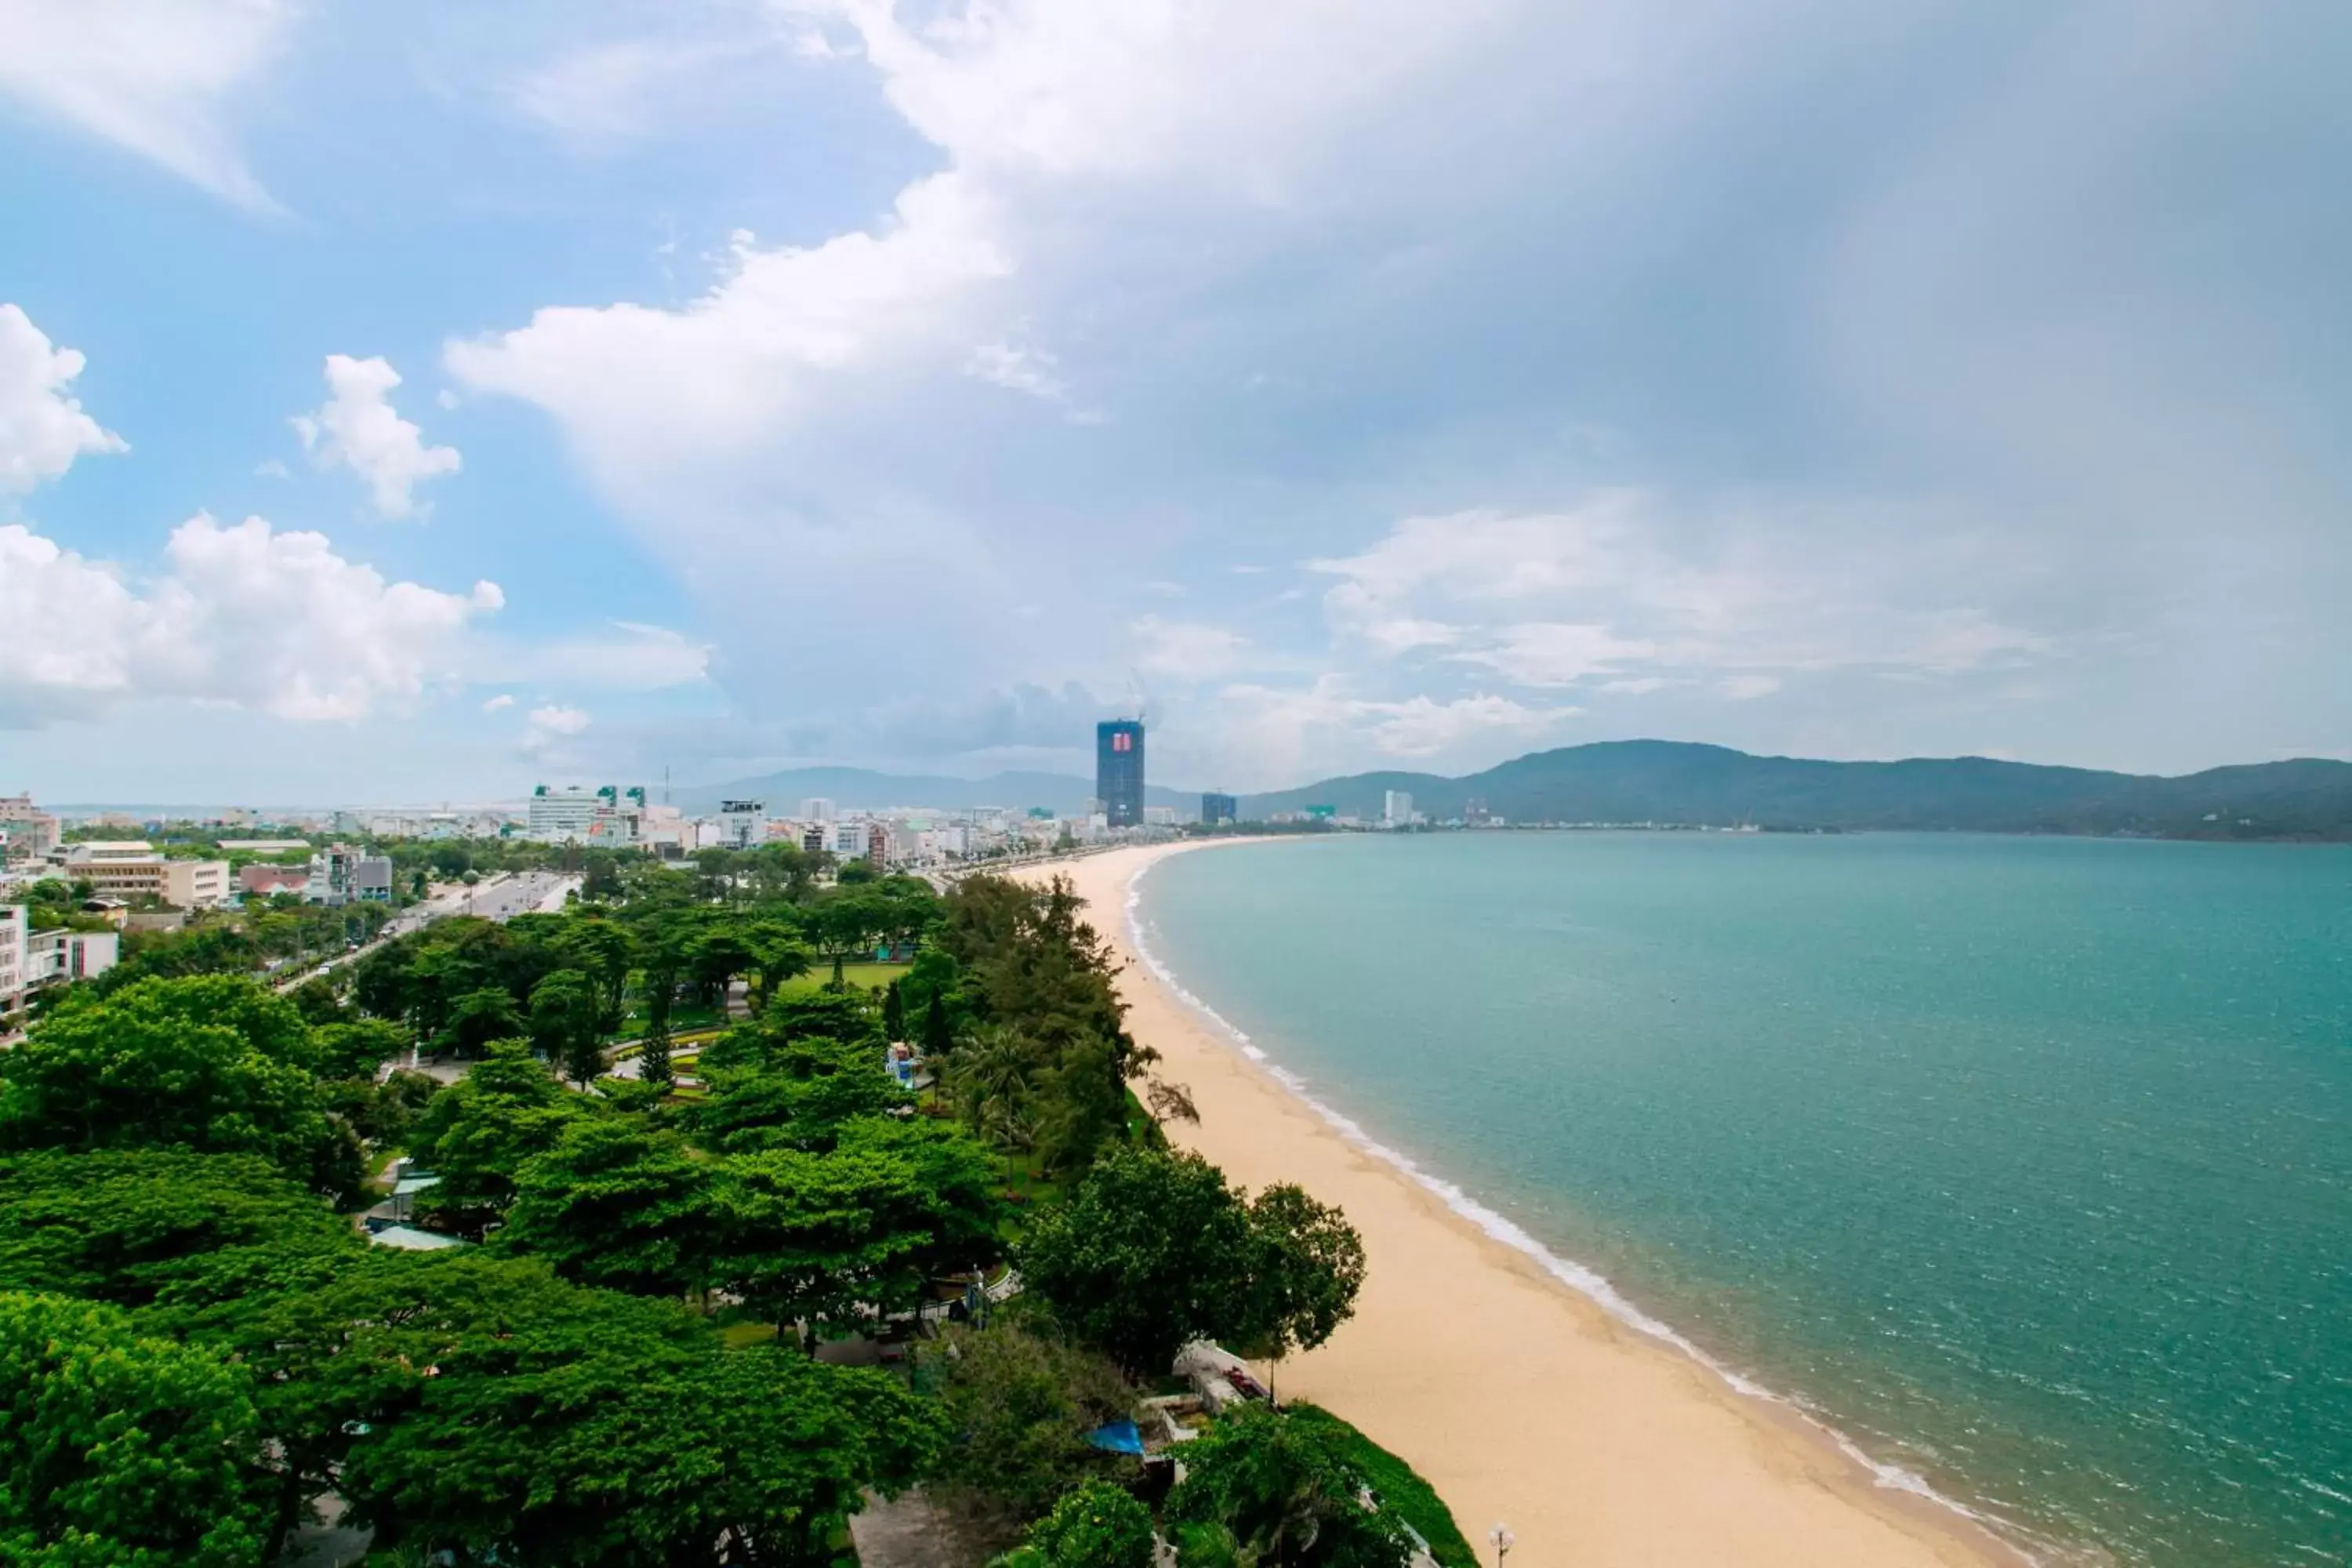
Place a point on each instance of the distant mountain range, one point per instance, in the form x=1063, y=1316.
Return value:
x=1673, y=781
x=863, y=789
x=1676, y=783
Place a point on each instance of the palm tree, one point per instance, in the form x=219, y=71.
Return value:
x=991, y=1078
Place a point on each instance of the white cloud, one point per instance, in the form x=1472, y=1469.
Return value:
x=645, y=389
x=240, y=615
x=504, y=700
x=1192, y=649
x=1420, y=727
x=1453, y=261
x=623, y=87
x=1557, y=653
x=1615, y=593
x=357, y=429
x=630, y=657
x=42, y=426
x=1281, y=735
x=153, y=75
x=548, y=730
x=1016, y=369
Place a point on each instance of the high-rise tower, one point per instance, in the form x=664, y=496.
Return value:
x=1118, y=770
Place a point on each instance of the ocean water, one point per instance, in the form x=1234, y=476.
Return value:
x=2025, y=1165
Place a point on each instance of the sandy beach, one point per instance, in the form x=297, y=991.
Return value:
x=1519, y=1399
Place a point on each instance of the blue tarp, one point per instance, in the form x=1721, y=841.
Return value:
x=1118, y=1436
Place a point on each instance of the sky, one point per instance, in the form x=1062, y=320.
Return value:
x=413, y=402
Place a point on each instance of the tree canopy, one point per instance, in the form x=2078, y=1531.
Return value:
x=119, y=1450
x=214, y=1064
x=1155, y=1249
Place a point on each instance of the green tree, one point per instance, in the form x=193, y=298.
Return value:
x=1097, y=1525
x=1152, y=1250
x=1022, y=1405
x=816, y=1238
x=599, y=875
x=476, y=1133
x=131, y=1227
x=119, y=1450
x=939, y=1034
x=777, y=955
x=478, y=1018
x=382, y=1113
x=548, y=1424
x=1307, y=1263
x=566, y=1026
x=714, y=959
x=652, y=1050
x=1287, y=1492
x=356, y=1049
x=606, y=953
x=893, y=1014
x=612, y=1205
x=212, y=1063
x=790, y=1094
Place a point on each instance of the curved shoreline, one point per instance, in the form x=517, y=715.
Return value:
x=1477, y=1354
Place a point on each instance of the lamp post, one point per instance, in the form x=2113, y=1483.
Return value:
x=1503, y=1541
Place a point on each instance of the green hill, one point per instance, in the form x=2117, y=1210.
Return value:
x=1666, y=782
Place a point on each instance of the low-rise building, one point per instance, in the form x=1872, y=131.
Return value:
x=133, y=869
x=30, y=959
x=340, y=875
x=742, y=823
x=264, y=881
x=26, y=831
x=61, y=957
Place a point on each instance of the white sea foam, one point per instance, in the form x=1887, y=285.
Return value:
x=1585, y=1280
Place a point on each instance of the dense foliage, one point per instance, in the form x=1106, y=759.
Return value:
x=199, y=1345
x=1277, y=1490
x=117, y=1449
x=1096, y=1525
x=1155, y=1249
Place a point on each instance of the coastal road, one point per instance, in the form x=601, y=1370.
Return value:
x=498, y=897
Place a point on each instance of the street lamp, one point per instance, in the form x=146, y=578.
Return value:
x=1503, y=1541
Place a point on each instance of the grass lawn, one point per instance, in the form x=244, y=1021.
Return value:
x=683, y=1015
x=1398, y=1486
x=872, y=976
x=737, y=1335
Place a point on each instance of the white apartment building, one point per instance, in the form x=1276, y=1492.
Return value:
x=342, y=875
x=60, y=957
x=817, y=808
x=15, y=956
x=1396, y=809
x=30, y=960
x=742, y=823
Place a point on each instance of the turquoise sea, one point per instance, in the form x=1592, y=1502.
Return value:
x=2026, y=1163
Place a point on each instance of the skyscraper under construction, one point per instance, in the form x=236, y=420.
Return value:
x=1118, y=770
